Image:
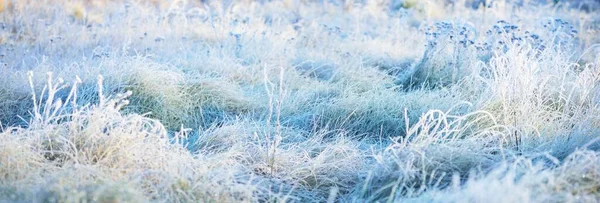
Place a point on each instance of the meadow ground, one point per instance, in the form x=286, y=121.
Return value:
x=299, y=101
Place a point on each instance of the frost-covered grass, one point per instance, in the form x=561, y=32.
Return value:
x=299, y=101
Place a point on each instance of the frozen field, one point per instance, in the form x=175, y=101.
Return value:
x=299, y=101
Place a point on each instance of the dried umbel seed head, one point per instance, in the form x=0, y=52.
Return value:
x=462, y=35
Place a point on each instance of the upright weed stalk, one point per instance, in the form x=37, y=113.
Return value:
x=275, y=104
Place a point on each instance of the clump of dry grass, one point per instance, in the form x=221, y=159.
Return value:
x=574, y=179
x=98, y=143
x=297, y=101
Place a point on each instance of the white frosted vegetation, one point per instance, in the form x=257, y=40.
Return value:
x=243, y=101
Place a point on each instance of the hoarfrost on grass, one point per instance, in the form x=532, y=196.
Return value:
x=255, y=101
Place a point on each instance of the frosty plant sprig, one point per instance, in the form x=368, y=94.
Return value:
x=51, y=106
x=46, y=108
